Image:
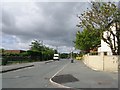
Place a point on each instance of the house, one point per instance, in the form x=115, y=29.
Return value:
x=14, y=51
x=104, y=46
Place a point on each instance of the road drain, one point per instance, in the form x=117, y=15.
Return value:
x=64, y=78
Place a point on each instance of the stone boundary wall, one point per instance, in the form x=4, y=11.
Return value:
x=102, y=63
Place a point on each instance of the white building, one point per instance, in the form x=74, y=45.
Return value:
x=104, y=46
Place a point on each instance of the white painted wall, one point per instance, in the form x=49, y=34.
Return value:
x=104, y=46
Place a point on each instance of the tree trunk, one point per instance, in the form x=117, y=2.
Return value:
x=118, y=37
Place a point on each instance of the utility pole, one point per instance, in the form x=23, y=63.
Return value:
x=57, y=48
x=42, y=49
x=71, y=56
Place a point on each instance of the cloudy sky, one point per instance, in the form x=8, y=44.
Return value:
x=54, y=23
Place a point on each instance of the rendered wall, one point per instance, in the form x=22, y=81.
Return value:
x=101, y=62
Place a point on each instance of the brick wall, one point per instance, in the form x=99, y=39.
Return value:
x=13, y=51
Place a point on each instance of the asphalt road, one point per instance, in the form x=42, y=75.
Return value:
x=33, y=77
x=87, y=77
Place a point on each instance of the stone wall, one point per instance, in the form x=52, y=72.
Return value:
x=101, y=62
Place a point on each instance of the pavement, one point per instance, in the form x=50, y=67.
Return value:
x=8, y=68
x=78, y=75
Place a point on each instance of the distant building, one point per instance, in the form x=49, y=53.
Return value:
x=14, y=51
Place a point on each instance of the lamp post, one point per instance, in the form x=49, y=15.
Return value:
x=72, y=61
x=41, y=49
x=57, y=48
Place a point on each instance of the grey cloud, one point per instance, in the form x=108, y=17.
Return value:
x=58, y=27
x=7, y=19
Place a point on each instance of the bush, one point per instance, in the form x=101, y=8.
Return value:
x=15, y=59
x=79, y=58
x=24, y=54
x=93, y=53
x=4, y=61
x=28, y=56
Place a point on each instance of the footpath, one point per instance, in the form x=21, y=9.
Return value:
x=8, y=68
x=78, y=75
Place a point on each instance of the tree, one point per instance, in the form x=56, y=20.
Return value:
x=2, y=51
x=118, y=29
x=36, y=45
x=48, y=53
x=87, y=40
x=101, y=17
x=55, y=51
x=64, y=55
x=40, y=51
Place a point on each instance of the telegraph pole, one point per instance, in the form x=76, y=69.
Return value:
x=57, y=48
x=42, y=49
x=71, y=56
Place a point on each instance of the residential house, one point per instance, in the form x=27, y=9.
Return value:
x=14, y=51
x=104, y=46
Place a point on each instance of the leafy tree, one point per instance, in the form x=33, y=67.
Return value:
x=36, y=45
x=40, y=51
x=2, y=51
x=55, y=51
x=64, y=55
x=48, y=53
x=101, y=17
x=87, y=40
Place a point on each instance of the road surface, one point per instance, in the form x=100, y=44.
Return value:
x=33, y=77
x=39, y=75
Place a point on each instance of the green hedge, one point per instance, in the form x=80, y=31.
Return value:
x=29, y=56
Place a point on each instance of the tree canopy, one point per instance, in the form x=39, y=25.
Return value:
x=38, y=48
x=87, y=40
x=100, y=18
x=36, y=45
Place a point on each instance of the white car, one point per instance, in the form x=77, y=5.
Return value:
x=56, y=57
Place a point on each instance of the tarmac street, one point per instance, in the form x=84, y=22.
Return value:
x=33, y=77
x=75, y=75
x=87, y=77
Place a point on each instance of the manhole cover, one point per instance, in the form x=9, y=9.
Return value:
x=64, y=78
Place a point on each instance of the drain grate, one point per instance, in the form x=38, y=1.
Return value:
x=64, y=78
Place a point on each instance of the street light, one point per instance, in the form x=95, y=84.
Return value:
x=41, y=48
x=72, y=49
